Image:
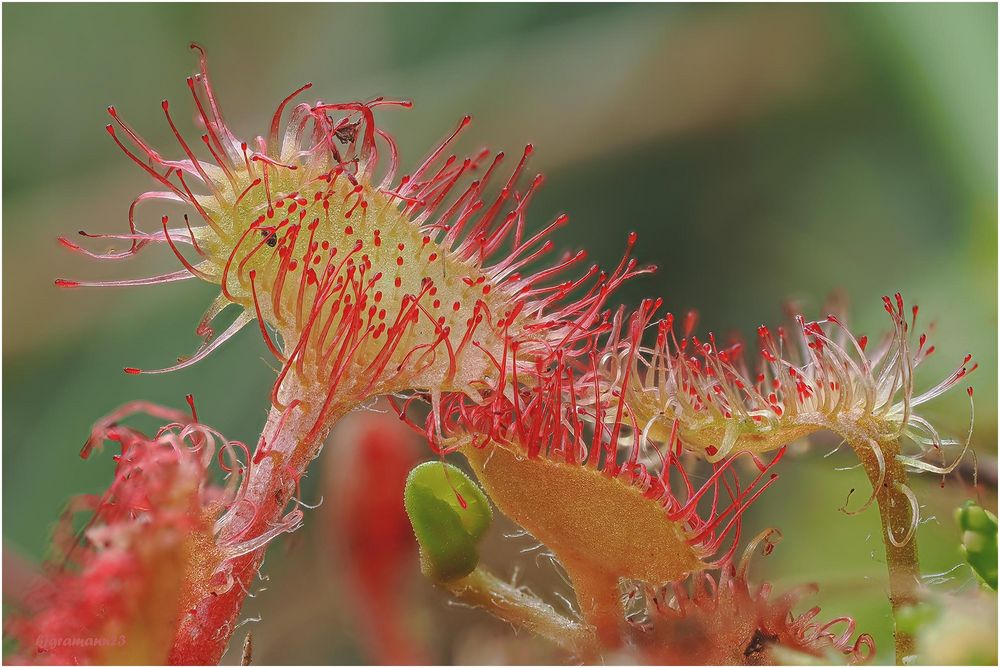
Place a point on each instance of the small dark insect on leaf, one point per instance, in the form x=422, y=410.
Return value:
x=758, y=643
x=271, y=238
x=348, y=133
x=247, y=656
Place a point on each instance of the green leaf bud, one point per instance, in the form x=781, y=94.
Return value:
x=449, y=514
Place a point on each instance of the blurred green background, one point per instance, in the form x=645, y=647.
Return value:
x=763, y=153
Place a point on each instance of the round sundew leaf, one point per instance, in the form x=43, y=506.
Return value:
x=449, y=515
x=592, y=522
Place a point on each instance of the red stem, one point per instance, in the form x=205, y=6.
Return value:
x=204, y=633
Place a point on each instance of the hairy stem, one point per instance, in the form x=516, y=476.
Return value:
x=206, y=629
x=888, y=479
x=523, y=610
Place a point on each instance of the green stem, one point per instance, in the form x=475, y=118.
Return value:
x=523, y=610
x=895, y=511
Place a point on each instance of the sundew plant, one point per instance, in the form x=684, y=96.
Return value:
x=625, y=441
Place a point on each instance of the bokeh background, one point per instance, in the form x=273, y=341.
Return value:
x=762, y=153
